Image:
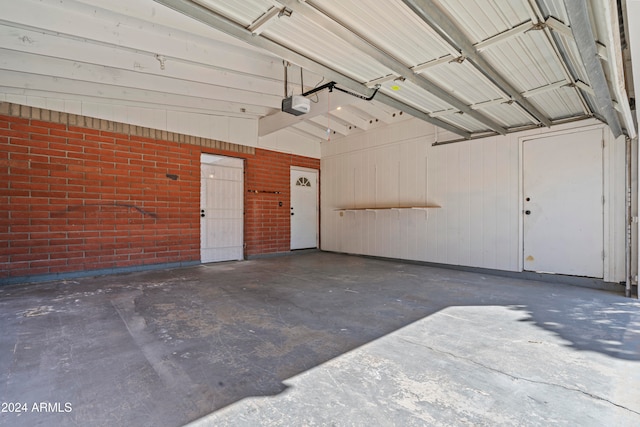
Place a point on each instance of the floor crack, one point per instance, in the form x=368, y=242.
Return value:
x=515, y=377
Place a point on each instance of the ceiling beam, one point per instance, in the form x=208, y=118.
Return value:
x=233, y=29
x=615, y=64
x=433, y=16
x=326, y=101
x=559, y=27
x=363, y=45
x=78, y=71
x=332, y=123
x=544, y=89
x=522, y=28
x=442, y=60
x=369, y=110
x=354, y=120
x=314, y=130
x=61, y=88
x=381, y=80
x=96, y=29
x=557, y=46
x=92, y=39
x=585, y=41
x=504, y=36
x=261, y=23
x=117, y=60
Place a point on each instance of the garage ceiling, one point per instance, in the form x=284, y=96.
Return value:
x=473, y=68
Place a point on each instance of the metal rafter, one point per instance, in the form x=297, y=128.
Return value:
x=522, y=28
x=504, y=36
x=259, y=24
x=210, y=18
x=312, y=12
x=559, y=28
x=431, y=14
x=583, y=36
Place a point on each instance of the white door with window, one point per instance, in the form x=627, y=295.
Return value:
x=563, y=212
x=221, y=208
x=304, y=208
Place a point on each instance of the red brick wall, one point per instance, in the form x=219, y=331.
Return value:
x=77, y=199
x=267, y=225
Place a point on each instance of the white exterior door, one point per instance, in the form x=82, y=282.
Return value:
x=304, y=208
x=563, y=216
x=221, y=208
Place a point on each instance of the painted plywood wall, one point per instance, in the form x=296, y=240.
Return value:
x=476, y=185
x=237, y=130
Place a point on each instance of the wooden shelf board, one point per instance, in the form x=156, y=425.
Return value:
x=387, y=208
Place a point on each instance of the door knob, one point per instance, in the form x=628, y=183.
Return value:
x=527, y=212
x=292, y=214
x=202, y=215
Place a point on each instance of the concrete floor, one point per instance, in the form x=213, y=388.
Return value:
x=317, y=339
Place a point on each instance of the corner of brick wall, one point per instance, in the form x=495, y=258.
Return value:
x=79, y=193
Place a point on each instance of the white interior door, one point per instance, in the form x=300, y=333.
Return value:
x=304, y=208
x=563, y=204
x=221, y=208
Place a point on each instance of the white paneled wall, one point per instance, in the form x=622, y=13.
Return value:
x=286, y=141
x=236, y=130
x=475, y=183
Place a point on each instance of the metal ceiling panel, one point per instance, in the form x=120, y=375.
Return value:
x=312, y=40
x=482, y=19
x=527, y=61
x=381, y=57
x=511, y=51
x=398, y=31
x=243, y=12
x=412, y=94
x=509, y=115
x=430, y=12
x=559, y=104
x=455, y=76
x=465, y=121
